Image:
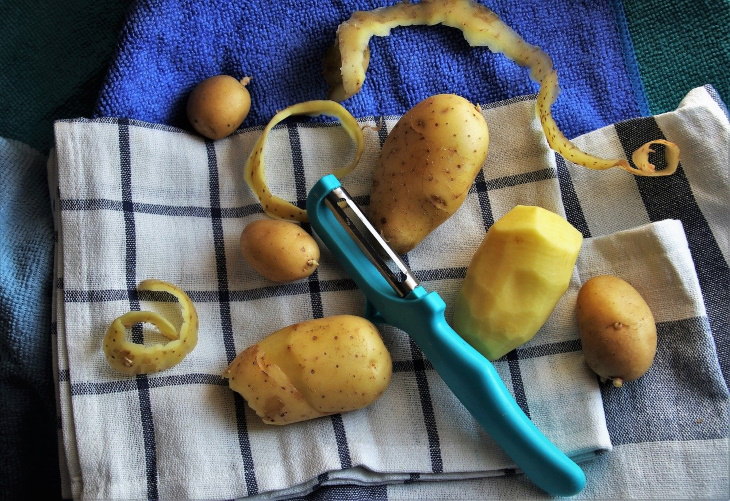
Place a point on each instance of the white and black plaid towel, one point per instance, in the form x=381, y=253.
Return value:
x=137, y=201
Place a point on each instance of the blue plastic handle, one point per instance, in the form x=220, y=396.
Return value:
x=470, y=376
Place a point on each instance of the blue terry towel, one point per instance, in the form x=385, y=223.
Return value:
x=167, y=46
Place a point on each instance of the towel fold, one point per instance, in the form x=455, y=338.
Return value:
x=137, y=200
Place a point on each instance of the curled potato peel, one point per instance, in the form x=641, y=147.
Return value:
x=641, y=157
x=254, y=171
x=132, y=358
x=481, y=28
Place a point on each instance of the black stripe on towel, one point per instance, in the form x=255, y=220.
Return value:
x=382, y=130
x=571, y=204
x=300, y=182
x=98, y=204
x=225, y=313
x=420, y=364
x=315, y=293
x=142, y=383
x=124, y=385
x=513, y=361
x=429, y=420
x=671, y=197
x=482, y=190
x=413, y=477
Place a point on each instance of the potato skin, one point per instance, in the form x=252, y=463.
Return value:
x=617, y=329
x=218, y=105
x=312, y=369
x=426, y=167
x=279, y=250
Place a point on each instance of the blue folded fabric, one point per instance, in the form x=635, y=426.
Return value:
x=168, y=46
x=27, y=403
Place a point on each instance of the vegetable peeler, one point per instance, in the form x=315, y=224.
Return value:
x=395, y=297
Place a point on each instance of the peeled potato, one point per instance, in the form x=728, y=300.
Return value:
x=515, y=279
x=312, y=369
x=616, y=328
x=279, y=250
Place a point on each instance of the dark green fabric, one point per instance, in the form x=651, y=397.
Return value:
x=679, y=45
x=54, y=57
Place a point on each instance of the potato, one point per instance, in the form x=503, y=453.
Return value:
x=279, y=250
x=218, y=105
x=312, y=369
x=426, y=167
x=515, y=279
x=617, y=329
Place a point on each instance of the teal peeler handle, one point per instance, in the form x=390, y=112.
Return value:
x=476, y=383
x=470, y=376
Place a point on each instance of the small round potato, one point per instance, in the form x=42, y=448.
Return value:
x=218, y=105
x=279, y=250
x=617, y=329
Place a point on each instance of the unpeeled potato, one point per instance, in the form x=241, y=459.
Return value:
x=312, y=369
x=279, y=250
x=616, y=328
x=218, y=105
x=426, y=166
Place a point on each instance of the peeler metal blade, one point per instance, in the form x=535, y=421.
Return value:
x=373, y=245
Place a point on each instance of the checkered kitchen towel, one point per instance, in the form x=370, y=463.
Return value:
x=137, y=201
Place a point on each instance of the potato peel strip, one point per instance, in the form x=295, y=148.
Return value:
x=132, y=358
x=254, y=172
x=481, y=28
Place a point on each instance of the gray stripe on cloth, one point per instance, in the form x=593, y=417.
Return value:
x=571, y=203
x=159, y=209
x=424, y=393
x=512, y=180
x=97, y=388
x=481, y=188
x=348, y=492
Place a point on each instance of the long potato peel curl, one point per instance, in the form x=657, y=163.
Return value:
x=254, y=172
x=481, y=28
x=132, y=358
